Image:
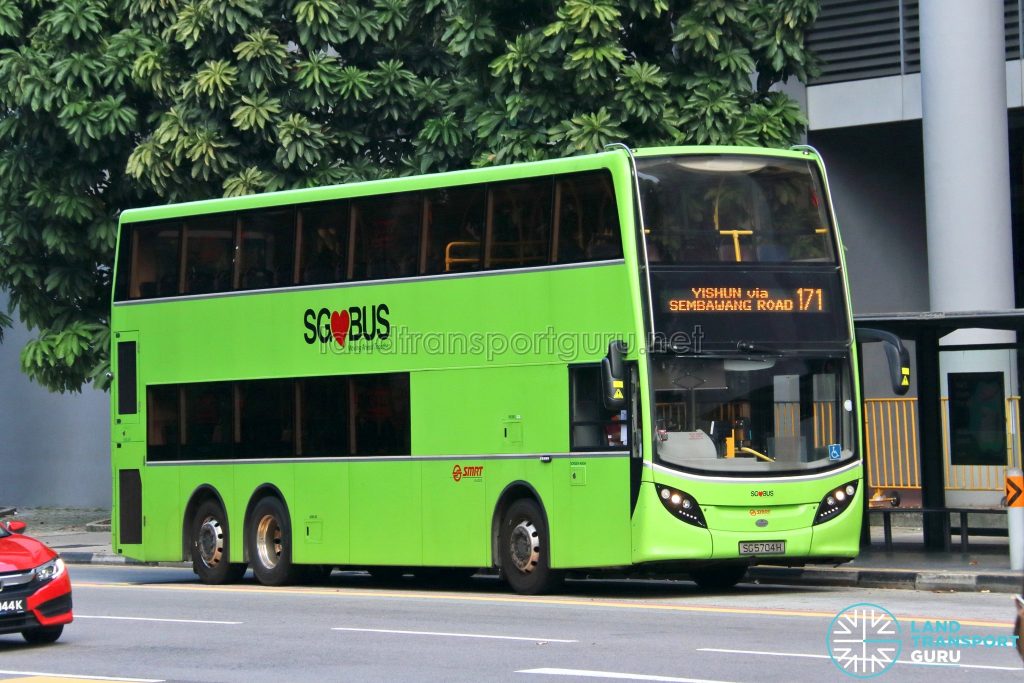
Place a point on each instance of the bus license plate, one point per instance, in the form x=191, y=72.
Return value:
x=762, y=547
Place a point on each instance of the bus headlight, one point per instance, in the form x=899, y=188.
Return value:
x=682, y=505
x=835, y=501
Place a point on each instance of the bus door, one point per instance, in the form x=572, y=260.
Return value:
x=129, y=437
x=592, y=484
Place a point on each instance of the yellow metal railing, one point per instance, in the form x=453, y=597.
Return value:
x=523, y=252
x=824, y=423
x=461, y=253
x=787, y=421
x=890, y=443
x=983, y=477
x=891, y=447
x=1013, y=429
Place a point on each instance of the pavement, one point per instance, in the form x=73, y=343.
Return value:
x=83, y=537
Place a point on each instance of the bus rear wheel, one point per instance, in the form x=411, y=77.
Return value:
x=523, y=546
x=718, y=577
x=269, y=540
x=209, y=547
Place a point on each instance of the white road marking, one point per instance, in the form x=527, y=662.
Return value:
x=86, y=678
x=172, y=621
x=584, y=673
x=453, y=635
x=898, y=661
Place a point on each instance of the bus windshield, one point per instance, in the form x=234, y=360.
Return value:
x=758, y=415
x=729, y=209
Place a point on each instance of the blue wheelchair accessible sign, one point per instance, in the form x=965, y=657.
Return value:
x=834, y=451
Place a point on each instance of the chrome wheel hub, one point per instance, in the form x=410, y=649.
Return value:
x=268, y=541
x=524, y=546
x=210, y=542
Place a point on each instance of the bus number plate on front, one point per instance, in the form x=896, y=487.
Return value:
x=762, y=547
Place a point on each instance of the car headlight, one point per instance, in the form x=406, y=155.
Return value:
x=51, y=570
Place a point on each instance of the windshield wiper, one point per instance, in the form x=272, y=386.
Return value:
x=750, y=347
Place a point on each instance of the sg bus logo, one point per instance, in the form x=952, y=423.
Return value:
x=357, y=323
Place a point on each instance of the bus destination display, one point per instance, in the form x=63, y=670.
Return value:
x=727, y=299
x=771, y=306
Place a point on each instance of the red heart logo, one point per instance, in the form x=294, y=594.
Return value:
x=339, y=326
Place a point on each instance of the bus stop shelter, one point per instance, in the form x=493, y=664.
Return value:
x=927, y=330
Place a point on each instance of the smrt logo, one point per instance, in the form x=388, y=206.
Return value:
x=357, y=323
x=762, y=494
x=468, y=472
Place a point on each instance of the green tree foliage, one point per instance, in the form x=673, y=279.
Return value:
x=70, y=117
x=109, y=104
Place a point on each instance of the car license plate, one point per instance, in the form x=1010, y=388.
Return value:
x=11, y=607
x=762, y=547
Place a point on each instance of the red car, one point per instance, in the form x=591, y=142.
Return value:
x=35, y=591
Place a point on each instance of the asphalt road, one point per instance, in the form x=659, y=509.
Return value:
x=158, y=623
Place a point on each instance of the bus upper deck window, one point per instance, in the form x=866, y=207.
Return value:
x=387, y=242
x=209, y=253
x=325, y=238
x=454, y=222
x=587, y=219
x=519, y=224
x=148, y=261
x=267, y=249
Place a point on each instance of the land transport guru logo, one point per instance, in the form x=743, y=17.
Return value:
x=360, y=326
x=865, y=640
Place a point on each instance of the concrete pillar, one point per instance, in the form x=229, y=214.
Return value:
x=966, y=155
x=967, y=199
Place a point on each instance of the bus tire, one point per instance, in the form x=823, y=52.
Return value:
x=269, y=540
x=209, y=546
x=43, y=635
x=523, y=545
x=719, y=577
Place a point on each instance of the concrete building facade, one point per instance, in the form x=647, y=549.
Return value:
x=54, y=448
x=918, y=113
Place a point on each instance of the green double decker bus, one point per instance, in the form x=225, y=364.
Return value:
x=632, y=359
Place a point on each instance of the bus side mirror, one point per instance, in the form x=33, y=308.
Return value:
x=613, y=376
x=895, y=353
x=16, y=526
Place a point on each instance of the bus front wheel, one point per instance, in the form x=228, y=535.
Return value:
x=719, y=576
x=208, y=546
x=523, y=545
x=269, y=540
